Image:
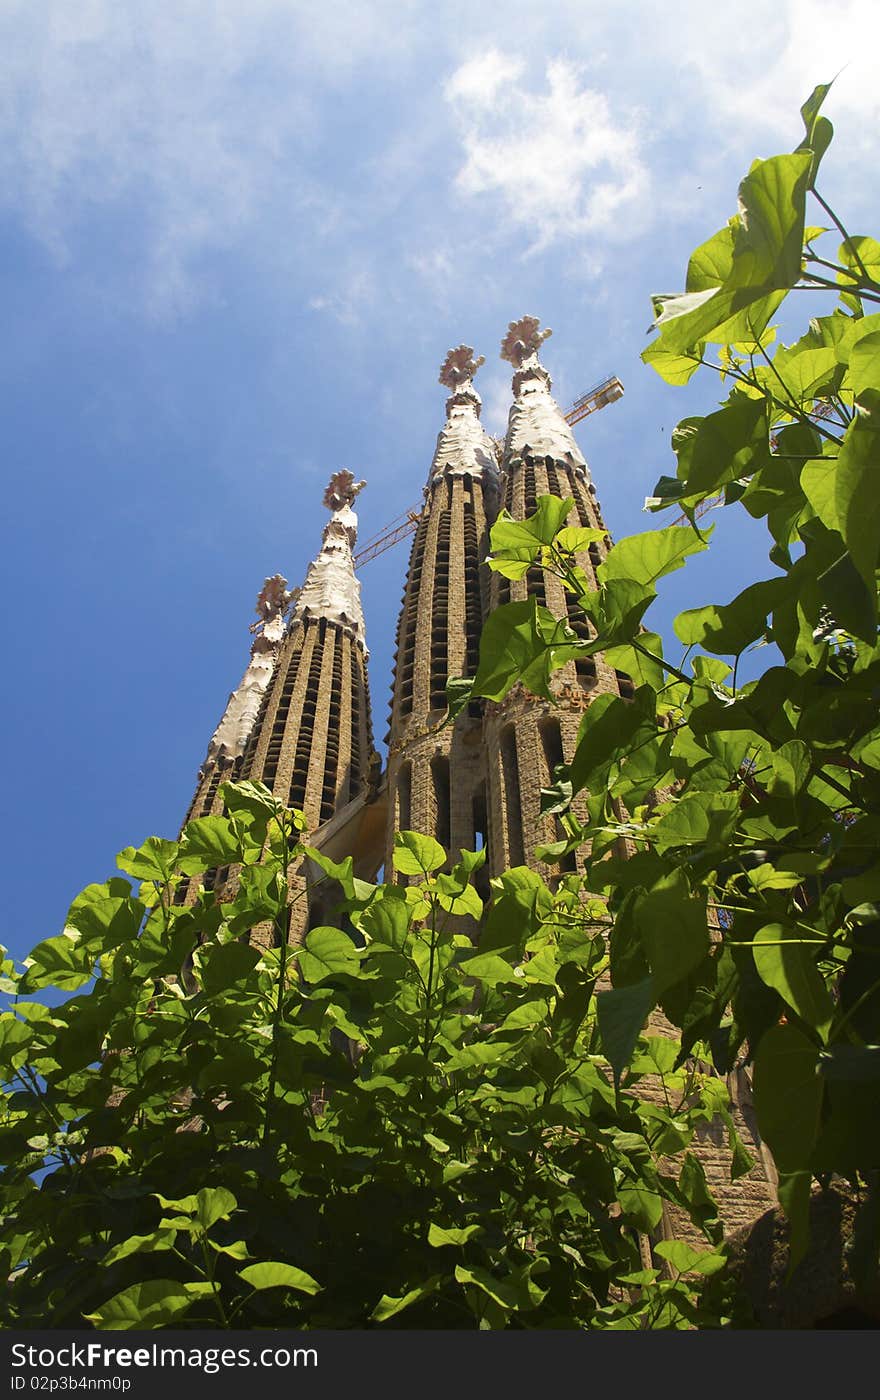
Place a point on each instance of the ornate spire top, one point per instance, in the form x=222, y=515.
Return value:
x=232, y=733
x=273, y=600
x=459, y=367
x=342, y=491
x=456, y=373
x=331, y=589
x=523, y=341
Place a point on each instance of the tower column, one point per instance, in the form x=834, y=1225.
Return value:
x=437, y=777
x=308, y=734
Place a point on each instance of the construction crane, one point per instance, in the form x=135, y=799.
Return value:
x=601, y=394
x=709, y=503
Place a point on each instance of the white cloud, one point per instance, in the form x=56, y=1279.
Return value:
x=755, y=74
x=189, y=124
x=562, y=162
x=352, y=292
x=477, y=82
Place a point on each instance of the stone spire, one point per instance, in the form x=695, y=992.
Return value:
x=434, y=778
x=232, y=733
x=241, y=717
x=526, y=738
x=331, y=589
x=537, y=426
x=463, y=447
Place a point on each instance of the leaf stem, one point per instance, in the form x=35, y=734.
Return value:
x=846, y=238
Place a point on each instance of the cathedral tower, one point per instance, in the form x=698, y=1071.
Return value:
x=300, y=720
x=436, y=776
x=527, y=737
x=313, y=741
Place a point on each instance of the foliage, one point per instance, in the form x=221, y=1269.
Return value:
x=755, y=805
x=386, y=1125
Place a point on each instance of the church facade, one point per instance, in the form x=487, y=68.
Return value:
x=300, y=720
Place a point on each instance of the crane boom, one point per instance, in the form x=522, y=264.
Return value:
x=605, y=392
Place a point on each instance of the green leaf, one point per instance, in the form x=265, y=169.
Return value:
x=459, y=690
x=140, y=1244
x=723, y=446
x=710, y=264
x=574, y=539
x=154, y=860
x=489, y=968
x=254, y=799
x=793, y=1190
x=388, y=1306
x=439, y=1236
x=642, y=559
x=804, y=372
x=521, y=642
x=155, y=1303
x=610, y=727
x=354, y=889
x=208, y=843
x=768, y=237
x=856, y=494
x=225, y=964
x=622, y=1012
x=66, y=961
x=856, y=250
x=521, y=539
x=272, y=1274
x=483, y=1053
x=698, y=819
x=728, y=630
x=788, y=1095
x=386, y=921
x=509, y=1293
x=214, y=1203
x=687, y=1260
x=327, y=951
x=641, y=1204
x=674, y=930
x=819, y=485
x=673, y=366
x=864, y=364
x=417, y=855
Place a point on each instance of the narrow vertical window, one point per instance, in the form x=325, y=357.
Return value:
x=442, y=806
x=481, y=841
x=510, y=776
x=554, y=756
x=404, y=797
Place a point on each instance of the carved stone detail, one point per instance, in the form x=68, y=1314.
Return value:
x=459, y=367
x=523, y=340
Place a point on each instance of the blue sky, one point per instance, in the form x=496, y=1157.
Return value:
x=237, y=238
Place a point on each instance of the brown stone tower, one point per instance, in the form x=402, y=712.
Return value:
x=300, y=720
x=436, y=777
x=527, y=737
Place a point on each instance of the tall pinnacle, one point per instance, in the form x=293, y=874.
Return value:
x=537, y=426
x=331, y=589
x=462, y=446
x=232, y=733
